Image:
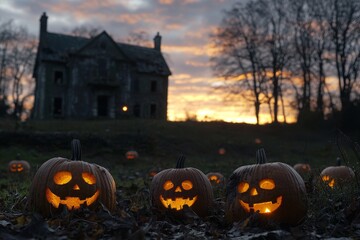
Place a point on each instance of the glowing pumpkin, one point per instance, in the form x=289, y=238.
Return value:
x=215, y=178
x=172, y=189
x=222, y=151
x=273, y=190
x=302, y=168
x=131, y=155
x=19, y=166
x=72, y=184
x=337, y=175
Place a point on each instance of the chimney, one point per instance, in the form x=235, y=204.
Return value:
x=157, y=42
x=43, y=23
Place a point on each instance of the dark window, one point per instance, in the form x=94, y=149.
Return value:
x=58, y=77
x=153, y=86
x=102, y=106
x=136, y=87
x=153, y=110
x=57, y=107
x=103, y=45
x=102, y=68
x=137, y=110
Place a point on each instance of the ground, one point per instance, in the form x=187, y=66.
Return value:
x=332, y=213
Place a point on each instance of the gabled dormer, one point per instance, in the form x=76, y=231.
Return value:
x=103, y=45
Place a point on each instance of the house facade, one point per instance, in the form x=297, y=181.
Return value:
x=85, y=78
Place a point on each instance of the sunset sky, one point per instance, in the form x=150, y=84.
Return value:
x=185, y=26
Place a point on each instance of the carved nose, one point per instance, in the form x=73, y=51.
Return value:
x=253, y=192
x=178, y=189
x=76, y=187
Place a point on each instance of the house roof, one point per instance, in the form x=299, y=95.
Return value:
x=147, y=60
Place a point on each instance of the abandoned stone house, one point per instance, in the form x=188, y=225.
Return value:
x=82, y=78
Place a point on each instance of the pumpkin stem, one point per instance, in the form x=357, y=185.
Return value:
x=76, y=149
x=180, y=162
x=338, y=161
x=260, y=156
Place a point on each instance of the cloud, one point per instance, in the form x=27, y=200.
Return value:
x=166, y=2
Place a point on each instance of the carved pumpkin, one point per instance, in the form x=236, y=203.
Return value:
x=19, y=166
x=302, y=168
x=274, y=190
x=131, y=155
x=72, y=184
x=337, y=175
x=153, y=172
x=216, y=178
x=172, y=189
x=222, y=151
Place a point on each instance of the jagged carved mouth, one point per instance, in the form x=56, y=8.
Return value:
x=71, y=203
x=177, y=203
x=264, y=207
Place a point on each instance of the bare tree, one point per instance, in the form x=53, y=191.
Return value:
x=239, y=60
x=7, y=36
x=86, y=31
x=139, y=37
x=278, y=44
x=17, y=59
x=20, y=65
x=343, y=19
x=321, y=38
x=304, y=55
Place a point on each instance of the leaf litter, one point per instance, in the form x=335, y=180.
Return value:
x=329, y=217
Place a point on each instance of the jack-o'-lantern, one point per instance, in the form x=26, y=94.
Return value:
x=172, y=189
x=337, y=175
x=19, y=166
x=222, y=151
x=153, y=172
x=303, y=169
x=131, y=155
x=274, y=190
x=61, y=184
x=216, y=178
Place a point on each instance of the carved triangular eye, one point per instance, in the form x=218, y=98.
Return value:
x=62, y=177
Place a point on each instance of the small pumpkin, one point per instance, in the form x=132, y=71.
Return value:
x=71, y=184
x=153, y=171
x=274, y=190
x=302, y=168
x=172, y=189
x=131, y=155
x=19, y=166
x=222, y=151
x=337, y=175
x=216, y=178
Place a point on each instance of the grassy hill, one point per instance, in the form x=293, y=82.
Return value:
x=160, y=143
x=330, y=214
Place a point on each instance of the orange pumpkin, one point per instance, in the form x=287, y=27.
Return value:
x=216, y=178
x=172, y=189
x=71, y=184
x=337, y=175
x=19, y=166
x=274, y=190
x=131, y=155
x=302, y=168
